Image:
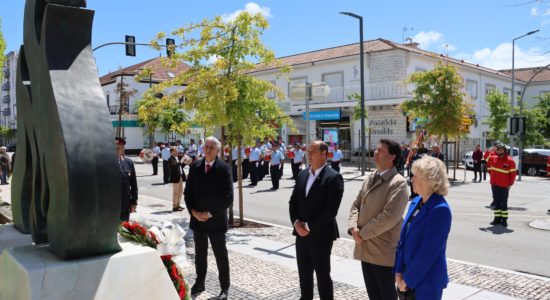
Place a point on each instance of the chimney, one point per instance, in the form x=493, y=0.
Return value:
x=412, y=45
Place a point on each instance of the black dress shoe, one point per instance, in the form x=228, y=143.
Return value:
x=179, y=208
x=223, y=295
x=197, y=289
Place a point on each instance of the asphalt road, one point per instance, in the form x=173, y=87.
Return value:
x=519, y=247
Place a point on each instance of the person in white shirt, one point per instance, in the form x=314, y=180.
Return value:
x=165, y=154
x=155, y=161
x=192, y=151
x=336, y=158
x=297, y=160
x=254, y=161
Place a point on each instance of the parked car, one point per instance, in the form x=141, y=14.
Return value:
x=534, y=161
x=10, y=147
x=468, y=161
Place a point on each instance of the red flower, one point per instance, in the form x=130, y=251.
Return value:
x=126, y=225
x=182, y=291
x=174, y=271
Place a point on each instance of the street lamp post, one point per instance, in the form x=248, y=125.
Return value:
x=362, y=66
x=512, y=96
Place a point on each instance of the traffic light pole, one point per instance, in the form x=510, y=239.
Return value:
x=125, y=43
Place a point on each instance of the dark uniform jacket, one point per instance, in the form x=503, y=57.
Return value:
x=212, y=192
x=320, y=207
x=128, y=181
x=176, y=170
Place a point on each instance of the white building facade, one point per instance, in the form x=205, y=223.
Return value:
x=8, y=118
x=387, y=65
x=135, y=133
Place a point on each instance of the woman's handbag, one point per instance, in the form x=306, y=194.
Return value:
x=406, y=295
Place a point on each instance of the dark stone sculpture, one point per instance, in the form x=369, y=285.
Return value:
x=66, y=183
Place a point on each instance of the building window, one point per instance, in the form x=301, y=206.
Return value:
x=297, y=88
x=544, y=93
x=108, y=100
x=271, y=94
x=335, y=82
x=489, y=87
x=419, y=69
x=471, y=88
x=507, y=92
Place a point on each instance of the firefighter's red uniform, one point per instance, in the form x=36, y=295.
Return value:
x=503, y=175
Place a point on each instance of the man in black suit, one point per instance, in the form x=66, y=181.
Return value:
x=128, y=182
x=313, y=208
x=208, y=194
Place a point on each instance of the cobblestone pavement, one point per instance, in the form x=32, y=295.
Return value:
x=254, y=278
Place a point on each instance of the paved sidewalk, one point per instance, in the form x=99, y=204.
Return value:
x=263, y=266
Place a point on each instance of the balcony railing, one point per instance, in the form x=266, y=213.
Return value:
x=376, y=91
x=7, y=73
x=6, y=99
x=113, y=110
x=6, y=112
x=6, y=87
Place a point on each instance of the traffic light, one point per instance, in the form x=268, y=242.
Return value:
x=170, y=46
x=517, y=126
x=130, y=48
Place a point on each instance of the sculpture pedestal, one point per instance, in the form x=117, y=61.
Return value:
x=32, y=272
x=11, y=237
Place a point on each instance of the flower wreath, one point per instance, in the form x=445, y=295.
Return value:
x=138, y=233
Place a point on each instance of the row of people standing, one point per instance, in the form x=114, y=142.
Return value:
x=409, y=254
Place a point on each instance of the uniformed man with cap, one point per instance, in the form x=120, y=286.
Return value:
x=128, y=181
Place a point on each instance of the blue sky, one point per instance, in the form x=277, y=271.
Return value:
x=479, y=31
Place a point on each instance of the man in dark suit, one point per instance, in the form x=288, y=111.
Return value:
x=208, y=194
x=128, y=182
x=313, y=208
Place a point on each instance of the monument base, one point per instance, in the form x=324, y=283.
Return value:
x=33, y=272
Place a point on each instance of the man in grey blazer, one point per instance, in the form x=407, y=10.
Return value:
x=375, y=221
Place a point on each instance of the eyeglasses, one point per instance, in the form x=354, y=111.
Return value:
x=212, y=147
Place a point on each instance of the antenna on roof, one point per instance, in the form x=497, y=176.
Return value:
x=405, y=29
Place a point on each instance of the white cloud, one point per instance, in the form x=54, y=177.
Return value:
x=251, y=8
x=212, y=59
x=501, y=57
x=546, y=12
x=534, y=11
x=425, y=39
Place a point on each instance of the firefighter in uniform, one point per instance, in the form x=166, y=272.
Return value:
x=503, y=175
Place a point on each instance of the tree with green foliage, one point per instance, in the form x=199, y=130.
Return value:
x=219, y=88
x=2, y=50
x=439, y=99
x=543, y=106
x=357, y=107
x=499, y=113
x=534, y=123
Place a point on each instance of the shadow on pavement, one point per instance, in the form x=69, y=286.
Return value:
x=496, y=229
x=158, y=183
x=353, y=178
x=264, y=191
x=165, y=212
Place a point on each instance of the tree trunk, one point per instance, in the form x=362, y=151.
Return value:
x=240, y=180
x=230, y=159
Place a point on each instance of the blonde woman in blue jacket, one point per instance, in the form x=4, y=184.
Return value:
x=421, y=265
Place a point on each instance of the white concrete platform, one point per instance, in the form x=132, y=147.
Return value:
x=33, y=272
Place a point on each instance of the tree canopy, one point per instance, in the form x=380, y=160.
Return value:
x=2, y=50
x=499, y=112
x=219, y=89
x=438, y=98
